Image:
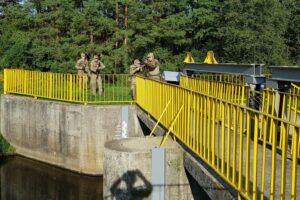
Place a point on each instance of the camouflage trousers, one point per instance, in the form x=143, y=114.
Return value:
x=133, y=89
x=96, y=80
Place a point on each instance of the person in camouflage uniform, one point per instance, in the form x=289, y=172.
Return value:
x=134, y=70
x=152, y=65
x=95, y=68
x=82, y=65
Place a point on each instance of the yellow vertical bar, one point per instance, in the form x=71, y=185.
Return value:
x=43, y=83
x=272, y=113
x=218, y=120
x=264, y=127
x=241, y=122
x=65, y=87
x=213, y=132
x=70, y=87
x=255, y=149
x=283, y=134
x=248, y=132
x=209, y=129
x=295, y=163
x=204, y=128
x=234, y=144
x=57, y=86
x=262, y=110
x=274, y=152
x=86, y=88
x=228, y=141
x=194, y=123
x=243, y=94
x=198, y=124
x=5, y=82
x=223, y=140
x=51, y=85
x=201, y=125
x=188, y=112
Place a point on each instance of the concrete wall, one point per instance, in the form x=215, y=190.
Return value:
x=71, y=136
x=128, y=170
x=205, y=183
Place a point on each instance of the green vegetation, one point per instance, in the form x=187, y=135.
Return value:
x=111, y=93
x=49, y=34
x=5, y=147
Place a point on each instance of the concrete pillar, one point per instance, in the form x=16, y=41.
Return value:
x=128, y=170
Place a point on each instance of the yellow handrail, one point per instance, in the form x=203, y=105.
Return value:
x=295, y=86
x=231, y=91
x=171, y=126
x=162, y=114
x=213, y=128
x=68, y=87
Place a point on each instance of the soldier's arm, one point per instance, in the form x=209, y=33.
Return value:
x=87, y=70
x=102, y=66
x=77, y=66
x=131, y=70
x=134, y=69
x=151, y=65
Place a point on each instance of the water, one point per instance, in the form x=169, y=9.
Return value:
x=24, y=179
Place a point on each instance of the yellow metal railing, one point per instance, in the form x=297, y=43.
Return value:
x=286, y=110
x=67, y=87
x=295, y=89
x=230, y=91
x=225, y=78
x=226, y=136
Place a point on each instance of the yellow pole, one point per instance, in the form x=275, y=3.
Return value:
x=294, y=163
x=171, y=126
x=5, y=81
x=71, y=88
x=162, y=114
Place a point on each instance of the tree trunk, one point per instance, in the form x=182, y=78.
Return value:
x=126, y=25
x=91, y=38
x=117, y=21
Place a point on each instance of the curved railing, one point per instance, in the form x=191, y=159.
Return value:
x=67, y=87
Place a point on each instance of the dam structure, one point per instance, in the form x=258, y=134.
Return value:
x=224, y=131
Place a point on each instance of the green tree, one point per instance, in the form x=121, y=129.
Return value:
x=50, y=34
x=248, y=36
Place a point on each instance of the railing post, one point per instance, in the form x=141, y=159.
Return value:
x=70, y=88
x=5, y=81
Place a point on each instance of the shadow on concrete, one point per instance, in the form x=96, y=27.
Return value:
x=197, y=191
x=131, y=186
x=145, y=129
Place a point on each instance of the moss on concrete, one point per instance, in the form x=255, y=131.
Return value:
x=5, y=147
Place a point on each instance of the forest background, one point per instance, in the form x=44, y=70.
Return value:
x=48, y=35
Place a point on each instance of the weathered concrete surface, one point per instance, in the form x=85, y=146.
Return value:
x=128, y=170
x=208, y=182
x=213, y=187
x=71, y=136
x=149, y=121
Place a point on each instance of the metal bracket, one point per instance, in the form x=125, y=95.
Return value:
x=285, y=73
x=158, y=173
x=241, y=69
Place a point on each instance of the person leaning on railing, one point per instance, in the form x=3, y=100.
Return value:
x=95, y=69
x=135, y=69
x=152, y=65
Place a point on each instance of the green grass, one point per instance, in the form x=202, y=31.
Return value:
x=111, y=93
x=5, y=147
